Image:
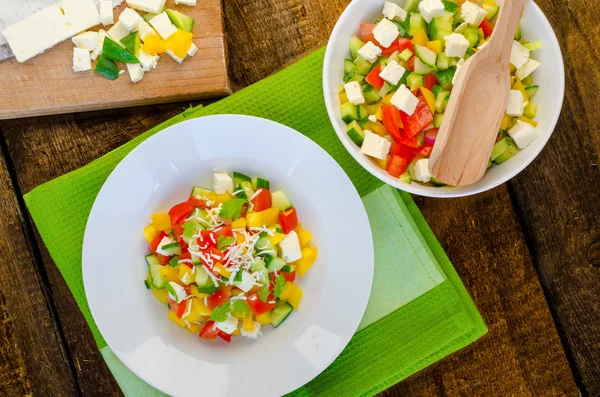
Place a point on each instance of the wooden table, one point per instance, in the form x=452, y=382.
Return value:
x=528, y=251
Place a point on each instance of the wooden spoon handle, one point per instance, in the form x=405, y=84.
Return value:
x=506, y=25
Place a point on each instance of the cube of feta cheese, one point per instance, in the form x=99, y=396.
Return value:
x=393, y=10
x=386, y=32
x=369, y=51
x=145, y=29
x=153, y=6
x=193, y=50
x=118, y=31
x=163, y=25
x=254, y=334
x=96, y=52
x=248, y=281
x=472, y=13
x=422, y=171
x=354, y=92
x=515, y=105
x=86, y=40
x=404, y=100
x=375, y=146
x=130, y=19
x=148, y=61
x=228, y=326
x=456, y=45
x=80, y=15
x=222, y=183
x=162, y=243
x=459, y=65
x=430, y=9
x=519, y=54
x=81, y=60
x=523, y=134
x=529, y=67
x=372, y=118
x=392, y=73
x=190, y=3
x=106, y=13
x=290, y=247
x=180, y=293
x=175, y=57
x=136, y=72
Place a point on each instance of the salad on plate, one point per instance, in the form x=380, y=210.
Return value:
x=400, y=75
x=225, y=261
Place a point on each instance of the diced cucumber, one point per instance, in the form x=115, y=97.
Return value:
x=411, y=5
x=280, y=312
x=450, y=6
x=385, y=89
x=531, y=90
x=510, y=151
x=364, y=123
x=362, y=65
x=274, y=263
x=113, y=51
x=411, y=170
x=107, y=68
x=500, y=147
x=427, y=56
x=422, y=68
x=263, y=243
x=441, y=26
x=405, y=55
x=472, y=37
x=349, y=112
x=279, y=200
x=149, y=16
x=350, y=75
x=414, y=81
x=420, y=138
x=492, y=11
x=489, y=165
x=148, y=282
x=453, y=61
x=239, y=178
x=174, y=262
x=530, y=110
x=435, y=182
x=132, y=42
x=180, y=20
x=355, y=133
x=361, y=112
x=246, y=190
x=173, y=248
x=204, y=282
x=441, y=100
x=533, y=45
x=518, y=33
x=416, y=23
x=355, y=45
x=357, y=77
x=437, y=119
x=154, y=267
x=470, y=52
x=444, y=77
x=201, y=192
x=394, y=57
x=348, y=66
x=260, y=183
x=406, y=177
x=436, y=89
x=288, y=268
x=371, y=96
x=527, y=81
x=443, y=62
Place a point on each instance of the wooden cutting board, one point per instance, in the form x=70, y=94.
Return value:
x=46, y=84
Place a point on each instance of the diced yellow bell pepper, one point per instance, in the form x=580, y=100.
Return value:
x=210, y=195
x=197, y=293
x=506, y=122
x=221, y=198
x=197, y=310
x=377, y=128
x=173, y=317
x=254, y=219
x=161, y=222
x=248, y=324
x=276, y=238
x=194, y=328
x=154, y=44
x=162, y=295
x=236, y=291
x=264, y=319
x=239, y=223
x=185, y=275
x=292, y=294
x=270, y=216
x=420, y=38
x=222, y=270
x=386, y=101
x=180, y=42
x=518, y=85
x=379, y=112
x=512, y=68
x=371, y=109
x=435, y=46
x=239, y=238
x=528, y=121
x=309, y=256
x=236, y=332
x=150, y=233
x=383, y=164
x=170, y=274
x=429, y=98
x=343, y=97
x=304, y=237
x=489, y=2
x=249, y=312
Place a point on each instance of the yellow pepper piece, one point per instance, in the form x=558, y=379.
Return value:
x=264, y=319
x=180, y=42
x=161, y=294
x=197, y=293
x=221, y=198
x=429, y=98
x=528, y=121
x=383, y=164
x=239, y=223
x=212, y=196
x=420, y=38
x=154, y=44
x=170, y=274
x=435, y=46
x=518, y=85
x=173, y=317
x=197, y=310
x=506, y=122
x=236, y=332
x=379, y=113
x=386, y=101
x=489, y=2
x=161, y=222
x=185, y=275
x=194, y=328
x=309, y=256
x=270, y=216
x=343, y=97
x=377, y=128
x=222, y=270
x=249, y=313
x=150, y=233
x=304, y=237
x=254, y=219
x=276, y=238
x=248, y=324
x=512, y=68
x=239, y=238
x=292, y=294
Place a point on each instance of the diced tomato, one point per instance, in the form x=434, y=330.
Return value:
x=163, y=260
x=392, y=121
x=410, y=64
x=289, y=276
x=177, y=231
x=179, y=212
x=397, y=166
x=429, y=81
x=403, y=44
x=225, y=336
x=178, y=308
x=487, y=28
x=366, y=33
x=224, y=230
x=288, y=220
x=196, y=202
x=209, y=331
x=399, y=149
x=424, y=150
x=156, y=241
x=408, y=141
x=373, y=77
x=207, y=238
x=386, y=52
x=218, y=298
x=257, y=306
x=216, y=254
x=185, y=255
x=420, y=119
x=262, y=200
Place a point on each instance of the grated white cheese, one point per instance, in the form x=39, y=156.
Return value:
x=255, y=194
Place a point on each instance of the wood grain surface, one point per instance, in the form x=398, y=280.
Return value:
x=544, y=225
x=46, y=84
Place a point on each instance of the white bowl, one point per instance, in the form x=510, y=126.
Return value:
x=160, y=173
x=549, y=76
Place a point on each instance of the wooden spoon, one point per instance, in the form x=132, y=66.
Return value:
x=475, y=109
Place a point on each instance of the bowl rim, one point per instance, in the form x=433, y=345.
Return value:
x=418, y=189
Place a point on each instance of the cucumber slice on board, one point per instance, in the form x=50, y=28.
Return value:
x=180, y=20
x=113, y=51
x=132, y=42
x=107, y=68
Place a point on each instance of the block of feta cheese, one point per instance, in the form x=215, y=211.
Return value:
x=290, y=248
x=354, y=92
x=153, y=6
x=163, y=25
x=136, y=72
x=118, y=31
x=519, y=54
x=422, y=171
x=516, y=104
x=431, y=9
x=229, y=325
x=385, y=32
x=107, y=16
x=392, y=73
x=404, y=100
x=148, y=61
x=472, y=13
x=190, y=3
x=456, y=45
x=145, y=29
x=81, y=60
x=393, y=10
x=80, y=15
x=375, y=146
x=96, y=52
x=130, y=19
x=193, y=50
x=523, y=134
x=254, y=334
x=86, y=40
x=529, y=67
x=370, y=52
x=222, y=183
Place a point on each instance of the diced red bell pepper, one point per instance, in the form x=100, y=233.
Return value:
x=424, y=150
x=429, y=81
x=163, y=260
x=178, y=308
x=386, y=52
x=408, y=141
x=179, y=212
x=421, y=118
x=224, y=230
x=178, y=231
x=257, y=306
x=392, y=121
x=366, y=33
x=156, y=241
x=403, y=44
x=397, y=166
x=487, y=28
x=218, y=298
x=186, y=256
x=399, y=149
x=262, y=200
x=225, y=336
x=197, y=203
x=287, y=276
x=209, y=331
x=410, y=64
x=288, y=220
x=374, y=79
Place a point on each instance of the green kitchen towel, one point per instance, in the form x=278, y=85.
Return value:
x=418, y=312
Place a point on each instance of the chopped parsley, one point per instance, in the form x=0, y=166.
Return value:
x=263, y=293
x=224, y=242
x=189, y=229
x=279, y=285
x=241, y=309
x=232, y=208
x=220, y=313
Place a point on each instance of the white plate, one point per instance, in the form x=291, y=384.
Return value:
x=550, y=76
x=160, y=173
